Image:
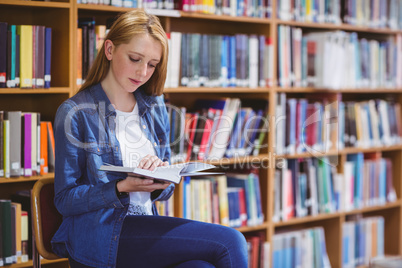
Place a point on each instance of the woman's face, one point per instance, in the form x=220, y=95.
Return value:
x=132, y=64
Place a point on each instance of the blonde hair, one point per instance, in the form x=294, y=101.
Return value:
x=122, y=31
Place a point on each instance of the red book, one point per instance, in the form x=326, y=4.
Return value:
x=206, y=133
x=192, y=128
x=242, y=207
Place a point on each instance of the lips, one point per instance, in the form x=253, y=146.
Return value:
x=135, y=82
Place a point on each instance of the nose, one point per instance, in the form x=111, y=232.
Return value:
x=142, y=70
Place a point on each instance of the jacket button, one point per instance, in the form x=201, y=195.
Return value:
x=144, y=126
x=154, y=143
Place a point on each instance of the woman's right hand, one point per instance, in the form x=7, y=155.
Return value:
x=135, y=184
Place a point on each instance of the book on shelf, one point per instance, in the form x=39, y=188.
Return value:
x=26, y=50
x=362, y=240
x=171, y=173
x=25, y=142
x=14, y=118
x=6, y=231
x=47, y=57
x=3, y=54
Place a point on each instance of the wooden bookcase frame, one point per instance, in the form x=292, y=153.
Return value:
x=63, y=15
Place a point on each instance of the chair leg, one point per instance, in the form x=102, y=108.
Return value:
x=35, y=255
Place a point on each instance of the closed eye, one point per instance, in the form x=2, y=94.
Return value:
x=134, y=60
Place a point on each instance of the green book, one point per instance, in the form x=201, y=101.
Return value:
x=6, y=232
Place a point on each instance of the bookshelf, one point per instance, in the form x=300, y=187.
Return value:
x=62, y=17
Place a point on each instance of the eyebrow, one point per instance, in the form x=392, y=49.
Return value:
x=142, y=55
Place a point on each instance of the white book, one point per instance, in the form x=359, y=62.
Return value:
x=348, y=186
x=171, y=173
x=221, y=138
x=253, y=61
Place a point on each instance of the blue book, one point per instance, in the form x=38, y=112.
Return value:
x=345, y=249
x=257, y=189
x=231, y=200
x=358, y=160
x=302, y=134
x=382, y=181
x=287, y=252
x=249, y=125
x=232, y=61
x=186, y=199
x=224, y=61
x=277, y=251
x=241, y=180
x=257, y=120
x=48, y=54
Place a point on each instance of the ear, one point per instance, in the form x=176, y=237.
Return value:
x=109, y=49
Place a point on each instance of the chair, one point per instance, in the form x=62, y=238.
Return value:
x=45, y=220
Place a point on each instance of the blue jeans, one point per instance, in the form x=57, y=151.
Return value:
x=162, y=242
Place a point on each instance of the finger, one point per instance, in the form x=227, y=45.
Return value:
x=166, y=163
x=151, y=163
x=144, y=161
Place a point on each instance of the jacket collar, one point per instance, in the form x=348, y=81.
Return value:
x=144, y=101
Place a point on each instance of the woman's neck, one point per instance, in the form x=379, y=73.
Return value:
x=121, y=100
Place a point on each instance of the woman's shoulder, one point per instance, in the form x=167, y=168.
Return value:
x=77, y=102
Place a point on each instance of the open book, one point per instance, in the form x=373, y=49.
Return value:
x=172, y=173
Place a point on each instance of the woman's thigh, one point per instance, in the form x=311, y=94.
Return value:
x=157, y=241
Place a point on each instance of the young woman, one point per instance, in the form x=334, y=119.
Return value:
x=119, y=117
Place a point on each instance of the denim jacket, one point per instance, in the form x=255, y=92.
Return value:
x=85, y=139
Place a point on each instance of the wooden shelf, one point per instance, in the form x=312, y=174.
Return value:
x=194, y=15
x=93, y=7
x=320, y=217
x=244, y=90
x=343, y=91
x=35, y=4
x=343, y=26
x=53, y=90
x=24, y=179
x=29, y=263
x=253, y=228
x=62, y=16
x=374, y=208
x=296, y=221
x=349, y=150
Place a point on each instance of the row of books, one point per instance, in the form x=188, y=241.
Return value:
x=90, y=39
x=370, y=123
x=166, y=207
x=232, y=200
x=338, y=60
x=219, y=60
x=367, y=181
x=258, y=250
x=25, y=56
x=13, y=233
x=312, y=186
x=362, y=240
x=320, y=11
x=304, y=248
x=26, y=144
x=217, y=128
x=374, y=13
x=251, y=8
x=325, y=122
x=368, y=13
